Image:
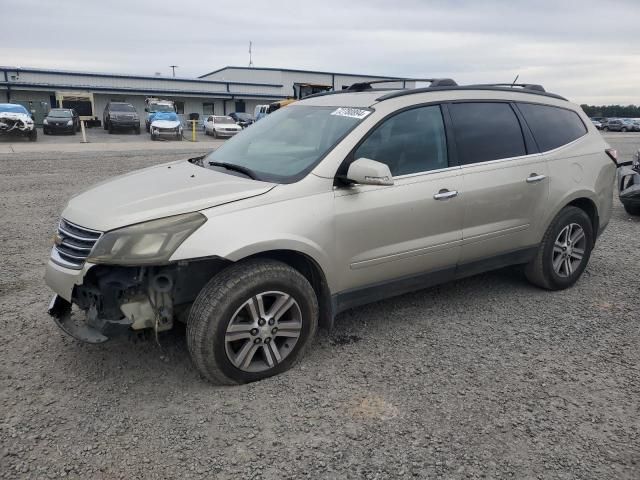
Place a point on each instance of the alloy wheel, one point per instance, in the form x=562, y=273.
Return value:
x=263, y=331
x=568, y=250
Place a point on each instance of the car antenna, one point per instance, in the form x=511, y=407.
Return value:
x=515, y=80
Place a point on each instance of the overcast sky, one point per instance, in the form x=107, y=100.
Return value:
x=586, y=50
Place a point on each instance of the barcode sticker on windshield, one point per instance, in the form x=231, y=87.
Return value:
x=351, y=112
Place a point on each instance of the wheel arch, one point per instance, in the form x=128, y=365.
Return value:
x=313, y=272
x=583, y=199
x=590, y=208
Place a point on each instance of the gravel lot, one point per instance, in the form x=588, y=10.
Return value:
x=486, y=377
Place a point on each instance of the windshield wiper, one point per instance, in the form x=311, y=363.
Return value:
x=238, y=168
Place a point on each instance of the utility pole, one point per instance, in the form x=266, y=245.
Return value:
x=173, y=67
x=250, y=58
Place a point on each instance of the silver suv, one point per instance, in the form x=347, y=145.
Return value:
x=337, y=200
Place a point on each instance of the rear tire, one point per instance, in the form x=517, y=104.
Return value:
x=137, y=130
x=623, y=129
x=632, y=210
x=556, y=265
x=229, y=305
x=605, y=129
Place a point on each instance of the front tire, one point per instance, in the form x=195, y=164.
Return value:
x=564, y=251
x=623, y=129
x=251, y=321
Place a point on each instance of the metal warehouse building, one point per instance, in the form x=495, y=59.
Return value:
x=219, y=92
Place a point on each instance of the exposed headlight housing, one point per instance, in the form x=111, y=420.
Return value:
x=148, y=243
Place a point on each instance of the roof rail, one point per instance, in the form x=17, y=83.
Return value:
x=525, y=86
x=434, y=82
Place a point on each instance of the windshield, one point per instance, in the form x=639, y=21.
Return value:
x=60, y=113
x=286, y=145
x=6, y=107
x=121, y=107
x=160, y=108
x=223, y=120
x=244, y=116
x=166, y=116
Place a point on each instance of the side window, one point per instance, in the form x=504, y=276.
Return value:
x=552, y=127
x=486, y=131
x=412, y=141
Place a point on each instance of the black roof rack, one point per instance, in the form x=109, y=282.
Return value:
x=491, y=87
x=434, y=82
x=524, y=86
x=437, y=84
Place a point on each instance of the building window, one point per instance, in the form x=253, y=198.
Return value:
x=179, y=107
x=240, y=106
x=207, y=108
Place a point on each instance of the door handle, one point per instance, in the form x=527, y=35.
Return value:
x=445, y=194
x=534, y=177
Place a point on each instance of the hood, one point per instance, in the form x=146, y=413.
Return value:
x=156, y=192
x=165, y=123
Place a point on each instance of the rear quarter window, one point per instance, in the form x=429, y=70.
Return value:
x=552, y=127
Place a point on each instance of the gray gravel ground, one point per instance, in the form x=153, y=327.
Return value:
x=486, y=377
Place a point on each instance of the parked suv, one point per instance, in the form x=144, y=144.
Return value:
x=120, y=116
x=618, y=125
x=336, y=201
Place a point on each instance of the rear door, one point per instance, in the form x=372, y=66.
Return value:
x=506, y=183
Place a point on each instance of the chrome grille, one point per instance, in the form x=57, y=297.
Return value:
x=73, y=244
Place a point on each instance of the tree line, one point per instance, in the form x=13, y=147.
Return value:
x=623, y=111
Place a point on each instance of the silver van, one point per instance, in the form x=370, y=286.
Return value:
x=337, y=200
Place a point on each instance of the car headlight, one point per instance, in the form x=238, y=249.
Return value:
x=148, y=243
x=69, y=123
x=45, y=122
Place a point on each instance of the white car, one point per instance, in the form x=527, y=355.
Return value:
x=166, y=125
x=220, y=126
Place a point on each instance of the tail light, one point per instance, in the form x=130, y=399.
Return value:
x=612, y=153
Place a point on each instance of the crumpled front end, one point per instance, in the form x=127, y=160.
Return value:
x=111, y=300
x=15, y=123
x=101, y=302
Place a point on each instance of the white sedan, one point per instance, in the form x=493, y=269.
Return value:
x=220, y=126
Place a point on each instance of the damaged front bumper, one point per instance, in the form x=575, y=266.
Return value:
x=82, y=328
x=16, y=124
x=99, y=302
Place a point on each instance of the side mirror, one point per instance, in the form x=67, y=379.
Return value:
x=369, y=172
x=146, y=109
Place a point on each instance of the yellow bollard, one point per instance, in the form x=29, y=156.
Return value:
x=193, y=130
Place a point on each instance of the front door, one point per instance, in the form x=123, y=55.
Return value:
x=388, y=236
